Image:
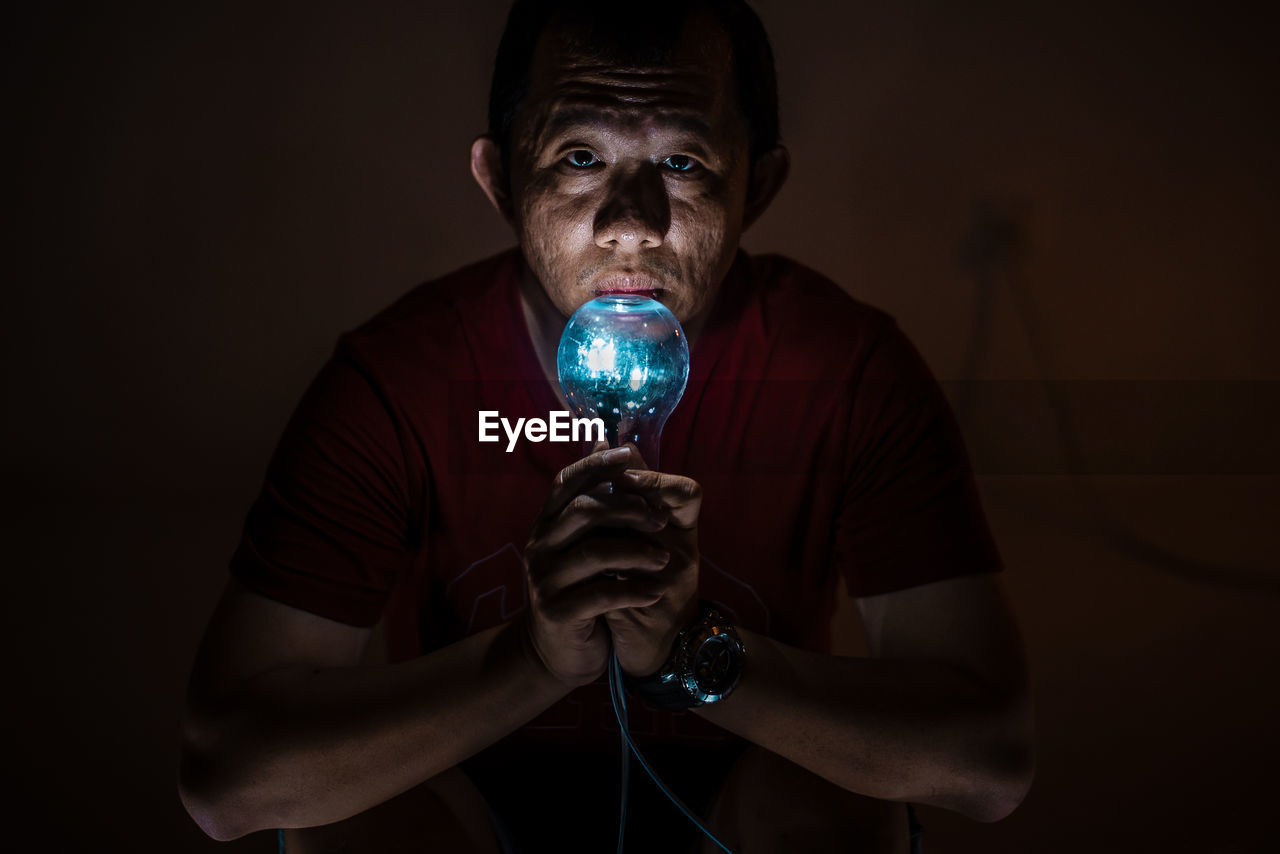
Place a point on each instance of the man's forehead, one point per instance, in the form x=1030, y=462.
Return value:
x=687, y=90
x=649, y=114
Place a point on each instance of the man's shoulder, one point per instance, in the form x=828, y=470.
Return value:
x=444, y=300
x=806, y=313
x=435, y=319
x=793, y=289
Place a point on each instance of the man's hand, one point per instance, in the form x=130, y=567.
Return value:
x=578, y=537
x=643, y=636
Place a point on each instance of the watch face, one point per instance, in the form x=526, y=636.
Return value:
x=716, y=665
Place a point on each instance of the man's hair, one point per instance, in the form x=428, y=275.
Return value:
x=620, y=33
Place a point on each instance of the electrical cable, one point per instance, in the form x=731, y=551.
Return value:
x=619, y=699
x=617, y=694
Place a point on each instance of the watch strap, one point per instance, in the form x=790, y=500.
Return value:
x=662, y=690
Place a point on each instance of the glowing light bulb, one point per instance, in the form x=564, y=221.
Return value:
x=624, y=359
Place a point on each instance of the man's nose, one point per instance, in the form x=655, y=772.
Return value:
x=636, y=214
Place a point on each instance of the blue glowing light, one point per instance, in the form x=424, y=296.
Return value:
x=624, y=359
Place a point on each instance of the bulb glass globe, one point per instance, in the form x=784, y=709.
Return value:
x=624, y=359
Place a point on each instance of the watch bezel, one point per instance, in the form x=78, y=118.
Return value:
x=711, y=628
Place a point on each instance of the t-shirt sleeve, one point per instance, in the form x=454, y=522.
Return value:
x=910, y=512
x=330, y=530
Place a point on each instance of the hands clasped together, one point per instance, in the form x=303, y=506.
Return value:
x=620, y=566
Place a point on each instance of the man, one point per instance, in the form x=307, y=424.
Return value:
x=628, y=154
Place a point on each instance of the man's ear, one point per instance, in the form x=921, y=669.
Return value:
x=487, y=169
x=768, y=174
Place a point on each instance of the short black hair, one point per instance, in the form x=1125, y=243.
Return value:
x=616, y=32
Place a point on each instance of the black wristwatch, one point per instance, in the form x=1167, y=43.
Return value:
x=704, y=665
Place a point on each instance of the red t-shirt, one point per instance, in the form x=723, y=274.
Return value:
x=824, y=447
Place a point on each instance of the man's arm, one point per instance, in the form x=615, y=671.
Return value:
x=940, y=714
x=284, y=729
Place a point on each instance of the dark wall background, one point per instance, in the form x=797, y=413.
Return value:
x=1073, y=211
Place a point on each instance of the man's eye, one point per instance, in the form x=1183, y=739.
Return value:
x=582, y=159
x=681, y=163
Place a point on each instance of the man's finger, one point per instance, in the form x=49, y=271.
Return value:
x=638, y=461
x=576, y=477
x=590, y=600
x=680, y=496
x=593, y=557
x=586, y=512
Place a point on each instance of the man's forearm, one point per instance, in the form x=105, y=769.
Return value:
x=907, y=730
x=299, y=747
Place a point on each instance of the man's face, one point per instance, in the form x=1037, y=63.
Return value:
x=631, y=179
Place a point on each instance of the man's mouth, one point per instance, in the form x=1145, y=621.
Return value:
x=643, y=292
x=633, y=284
